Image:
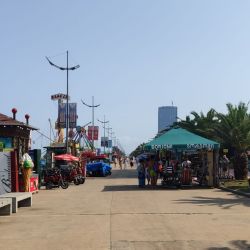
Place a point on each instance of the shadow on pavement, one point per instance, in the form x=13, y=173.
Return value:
x=118, y=188
x=236, y=244
x=123, y=174
x=221, y=202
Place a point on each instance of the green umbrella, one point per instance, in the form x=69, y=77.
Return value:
x=179, y=138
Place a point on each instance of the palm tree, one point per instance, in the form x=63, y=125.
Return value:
x=201, y=124
x=233, y=131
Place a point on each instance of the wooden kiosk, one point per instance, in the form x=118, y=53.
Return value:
x=14, y=139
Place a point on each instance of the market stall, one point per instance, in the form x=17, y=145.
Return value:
x=14, y=142
x=180, y=142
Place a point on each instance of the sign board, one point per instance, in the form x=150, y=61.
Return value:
x=59, y=97
x=5, y=172
x=93, y=131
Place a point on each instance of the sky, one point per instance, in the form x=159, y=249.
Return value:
x=134, y=56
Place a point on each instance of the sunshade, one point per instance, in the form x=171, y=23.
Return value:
x=179, y=138
x=66, y=157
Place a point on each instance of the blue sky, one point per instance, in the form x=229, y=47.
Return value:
x=135, y=56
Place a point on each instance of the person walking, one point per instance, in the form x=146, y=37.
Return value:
x=141, y=173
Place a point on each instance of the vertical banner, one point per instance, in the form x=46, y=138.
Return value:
x=62, y=115
x=95, y=134
x=72, y=115
x=104, y=142
x=110, y=143
x=62, y=110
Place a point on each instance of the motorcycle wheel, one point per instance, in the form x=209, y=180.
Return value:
x=64, y=184
x=48, y=185
x=76, y=181
x=81, y=180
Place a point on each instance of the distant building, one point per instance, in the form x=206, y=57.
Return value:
x=167, y=116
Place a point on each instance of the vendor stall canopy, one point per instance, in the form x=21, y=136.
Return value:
x=179, y=138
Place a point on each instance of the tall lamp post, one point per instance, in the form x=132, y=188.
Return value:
x=109, y=129
x=67, y=105
x=104, y=123
x=93, y=106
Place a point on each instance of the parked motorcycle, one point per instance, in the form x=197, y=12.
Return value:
x=72, y=174
x=53, y=178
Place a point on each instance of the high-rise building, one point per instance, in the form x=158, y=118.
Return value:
x=167, y=116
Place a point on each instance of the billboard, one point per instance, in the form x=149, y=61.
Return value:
x=93, y=130
x=62, y=108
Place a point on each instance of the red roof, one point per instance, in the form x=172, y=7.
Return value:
x=8, y=121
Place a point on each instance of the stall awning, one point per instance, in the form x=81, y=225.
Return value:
x=179, y=138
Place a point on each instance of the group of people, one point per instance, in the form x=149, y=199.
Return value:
x=151, y=169
x=125, y=162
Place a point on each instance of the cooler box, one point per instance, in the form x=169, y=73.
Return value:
x=33, y=183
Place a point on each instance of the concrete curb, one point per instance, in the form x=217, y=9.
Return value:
x=235, y=191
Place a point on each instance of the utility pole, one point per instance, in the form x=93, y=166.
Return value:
x=93, y=106
x=67, y=105
x=104, y=123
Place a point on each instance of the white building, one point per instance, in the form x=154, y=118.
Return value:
x=167, y=115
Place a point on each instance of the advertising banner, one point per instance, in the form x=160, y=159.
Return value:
x=72, y=115
x=104, y=142
x=61, y=115
x=95, y=131
x=62, y=110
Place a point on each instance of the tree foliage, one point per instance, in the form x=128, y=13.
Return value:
x=232, y=130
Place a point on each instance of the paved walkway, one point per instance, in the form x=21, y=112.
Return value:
x=112, y=213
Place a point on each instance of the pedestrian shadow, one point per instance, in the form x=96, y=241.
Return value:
x=236, y=245
x=224, y=203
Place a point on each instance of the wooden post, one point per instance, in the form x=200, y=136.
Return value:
x=210, y=164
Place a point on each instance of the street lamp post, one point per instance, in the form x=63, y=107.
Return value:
x=67, y=105
x=104, y=123
x=109, y=132
x=93, y=106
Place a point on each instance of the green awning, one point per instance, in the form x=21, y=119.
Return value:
x=179, y=138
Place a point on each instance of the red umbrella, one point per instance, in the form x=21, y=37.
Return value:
x=66, y=157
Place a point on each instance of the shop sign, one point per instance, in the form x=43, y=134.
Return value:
x=165, y=146
x=200, y=146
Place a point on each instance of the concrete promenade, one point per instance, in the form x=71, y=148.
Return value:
x=112, y=213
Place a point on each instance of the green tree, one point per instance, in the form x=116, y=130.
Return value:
x=201, y=124
x=233, y=131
